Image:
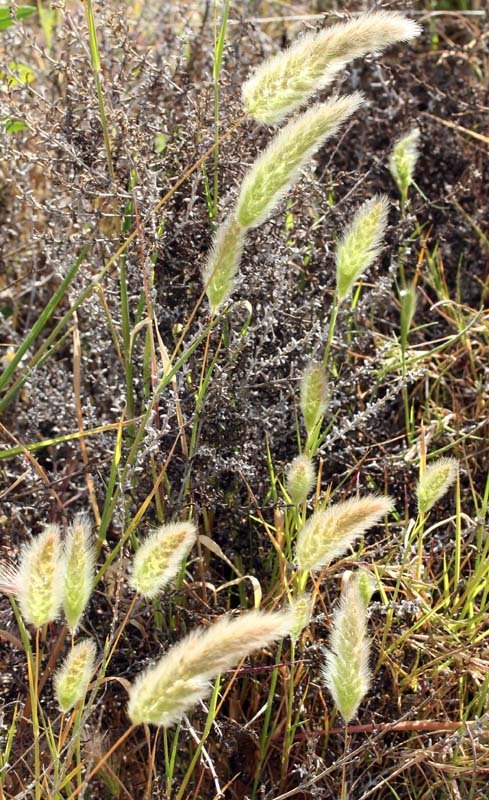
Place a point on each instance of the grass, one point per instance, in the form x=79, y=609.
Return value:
x=122, y=396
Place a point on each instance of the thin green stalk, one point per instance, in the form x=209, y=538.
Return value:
x=43, y=318
x=331, y=329
x=97, y=69
x=265, y=736
x=170, y=758
x=33, y=673
x=207, y=729
x=289, y=729
x=219, y=41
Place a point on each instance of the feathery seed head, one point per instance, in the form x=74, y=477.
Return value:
x=160, y=556
x=223, y=262
x=289, y=79
x=314, y=395
x=328, y=534
x=72, y=679
x=301, y=477
x=163, y=693
x=79, y=562
x=402, y=161
x=361, y=243
x=40, y=578
x=346, y=672
x=279, y=166
x=302, y=609
x=435, y=481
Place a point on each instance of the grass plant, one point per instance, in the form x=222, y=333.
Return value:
x=237, y=491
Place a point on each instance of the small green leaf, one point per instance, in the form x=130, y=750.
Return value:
x=18, y=74
x=14, y=125
x=9, y=17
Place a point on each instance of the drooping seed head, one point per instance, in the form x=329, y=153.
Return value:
x=301, y=608
x=328, y=534
x=160, y=556
x=40, y=578
x=346, y=672
x=314, y=395
x=289, y=79
x=163, y=693
x=79, y=562
x=361, y=243
x=222, y=264
x=301, y=477
x=72, y=678
x=279, y=166
x=434, y=482
x=402, y=161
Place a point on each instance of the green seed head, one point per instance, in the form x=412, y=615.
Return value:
x=160, y=557
x=434, y=482
x=347, y=673
x=79, y=560
x=285, y=82
x=361, y=243
x=402, y=161
x=301, y=477
x=279, y=166
x=40, y=578
x=72, y=679
x=222, y=265
x=301, y=609
x=314, y=395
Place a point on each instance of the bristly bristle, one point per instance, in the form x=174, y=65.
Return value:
x=328, y=534
x=288, y=80
x=162, y=694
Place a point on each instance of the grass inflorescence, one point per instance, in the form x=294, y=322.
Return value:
x=242, y=390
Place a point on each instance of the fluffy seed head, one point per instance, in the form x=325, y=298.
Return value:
x=435, y=481
x=72, y=679
x=40, y=578
x=289, y=79
x=402, y=161
x=347, y=673
x=160, y=556
x=222, y=264
x=314, y=395
x=301, y=477
x=163, y=693
x=279, y=166
x=361, y=243
x=302, y=609
x=328, y=534
x=79, y=561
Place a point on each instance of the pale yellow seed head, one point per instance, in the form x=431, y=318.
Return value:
x=164, y=693
x=285, y=82
x=402, y=161
x=347, y=673
x=160, y=556
x=73, y=677
x=79, y=563
x=40, y=578
x=301, y=477
x=279, y=165
x=361, y=243
x=328, y=534
x=314, y=395
x=435, y=481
